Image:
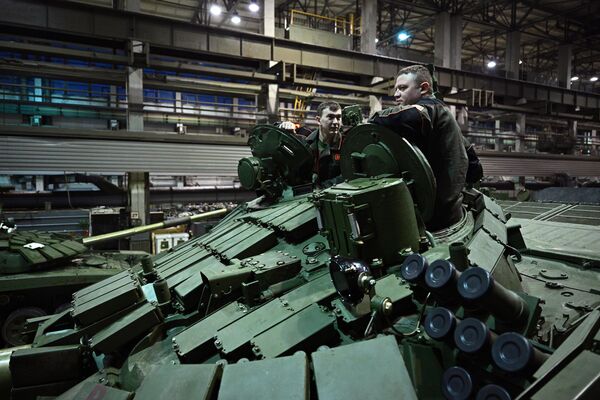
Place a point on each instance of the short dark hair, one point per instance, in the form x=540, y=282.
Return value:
x=333, y=106
x=421, y=73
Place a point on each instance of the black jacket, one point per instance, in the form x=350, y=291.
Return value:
x=327, y=160
x=431, y=127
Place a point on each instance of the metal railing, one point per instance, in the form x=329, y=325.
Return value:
x=340, y=24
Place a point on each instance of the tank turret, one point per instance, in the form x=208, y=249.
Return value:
x=279, y=162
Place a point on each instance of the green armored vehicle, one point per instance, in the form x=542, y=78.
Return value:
x=331, y=294
x=39, y=271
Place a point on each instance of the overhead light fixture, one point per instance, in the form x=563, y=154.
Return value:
x=574, y=78
x=215, y=10
x=593, y=79
x=491, y=64
x=402, y=36
x=253, y=6
x=520, y=62
x=236, y=18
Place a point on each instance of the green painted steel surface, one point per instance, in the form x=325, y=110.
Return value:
x=253, y=307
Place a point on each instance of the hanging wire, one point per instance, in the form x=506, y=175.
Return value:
x=416, y=330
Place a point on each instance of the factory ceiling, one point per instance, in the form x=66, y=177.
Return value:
x=544, y=26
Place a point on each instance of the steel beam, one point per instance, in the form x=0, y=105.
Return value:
x=122, y=135
x=28, y=48
x=64, y=72
x=96, y=198
x=98, y=25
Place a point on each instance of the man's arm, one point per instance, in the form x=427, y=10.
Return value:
x=411, y=122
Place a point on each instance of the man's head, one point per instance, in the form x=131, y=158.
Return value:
x=329, y=117
x=413, y=83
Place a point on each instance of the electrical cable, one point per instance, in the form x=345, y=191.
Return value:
x=416, y=330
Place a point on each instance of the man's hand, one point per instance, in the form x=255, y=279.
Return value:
x=287, y=125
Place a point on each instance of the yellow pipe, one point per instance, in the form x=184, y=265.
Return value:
x=151, y=227
x=334, y=20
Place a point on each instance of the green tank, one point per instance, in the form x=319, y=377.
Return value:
x=336, y=293
x=39, y=271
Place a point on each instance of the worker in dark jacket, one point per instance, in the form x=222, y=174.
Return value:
x=325, y=143
x=427, y=123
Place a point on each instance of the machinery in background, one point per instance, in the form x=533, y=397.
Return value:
x=339, y=293
x=39, y=271
x=87, y=190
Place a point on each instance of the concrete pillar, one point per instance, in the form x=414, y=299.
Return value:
x=565, y=55
x=573, y=128
x=268, y=27
x=112, y=96
x=273, y=102
x=37, y=90
x=127, y=5
x=462, y=117
x=23, y=90
x=441, y=51
x=178, y=103
x=513, y=51
x=368, y=26
x=139, y=208
x=456, y=41
x=138, y=182
x=497, y=140
x=520, y=130
x=594, y=147
x=132, y=5
x=448, y=40
x=39, y=183
x=135, y=99
x=139, y=195
x=235, y=109
x=375, y=101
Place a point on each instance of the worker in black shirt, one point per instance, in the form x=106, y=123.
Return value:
x=427, y=123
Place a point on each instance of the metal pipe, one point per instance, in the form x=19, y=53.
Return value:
x=477, y=286
x=441, y=277
x=513, y=353
x=161, y=288
x=459, y=255
x=440, y=324
x=473, y=337
x=148, y=266
x=151, y=227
